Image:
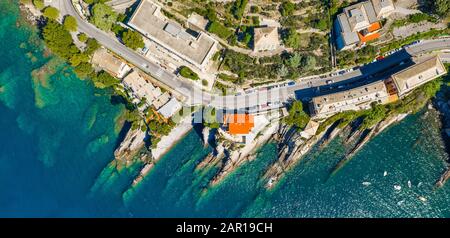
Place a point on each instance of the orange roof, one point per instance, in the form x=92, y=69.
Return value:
x=369, y=37
x=374, y=27
x=239, y=123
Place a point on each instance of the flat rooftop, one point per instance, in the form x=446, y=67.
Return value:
x=419, y=73
x=350, y=94
x=149, y=21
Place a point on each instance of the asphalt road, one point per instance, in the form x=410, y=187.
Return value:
x=261, y=97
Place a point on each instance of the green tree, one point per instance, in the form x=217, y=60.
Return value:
x=77, y=59
x=297, y=116
x=321, y=24
x=105, y=80
x=292, y=39
x=91, y=46
x=287, y=8
x=51, y=13
x=84, y=69
x=103, y=16
x=117, y=29
x=39, y=4
x=121, y=17
x=294, y=60
x=239, y=8
x=247, y=39
x=70, y=23
x=58, y=39
x=308, y=62
x=255, y=9
x=82, y=37
x=440, y=7
x=132, y=39
x=283, y=71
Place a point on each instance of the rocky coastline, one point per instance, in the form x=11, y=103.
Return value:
x=442, y=104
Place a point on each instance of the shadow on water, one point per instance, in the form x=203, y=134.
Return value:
x=122, y=134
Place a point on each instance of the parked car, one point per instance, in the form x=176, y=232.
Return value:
x=329, y=81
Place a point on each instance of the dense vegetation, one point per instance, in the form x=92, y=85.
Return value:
x=70, y=23
x=284, y=66
x=297, y=116
x=287, y=8
x=357, y=57
x=132, y=39
x=103, y=16
x=414, y=18
x=238, y=8
x=439, y=7
x=51, y=12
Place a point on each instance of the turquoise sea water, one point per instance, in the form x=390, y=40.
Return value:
x=58, y=133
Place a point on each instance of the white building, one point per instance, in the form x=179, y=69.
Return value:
x=360, y=23
x=355, y=99
x=194, y=48
x=170, y=108
x=141, y=88
x=408, y=79
x=265, y=39
x=110, y=63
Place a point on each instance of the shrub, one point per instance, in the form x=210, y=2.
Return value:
x=82, y=37
x=51, y=13
x=39, y=4
x=239, y=8
x=188, y=73
x=70, y=23
x=132, y=39
x=287, y=8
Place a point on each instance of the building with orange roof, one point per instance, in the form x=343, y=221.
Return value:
x=360, y=23
x=238, y=124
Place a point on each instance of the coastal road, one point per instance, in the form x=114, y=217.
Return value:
x=261, y=97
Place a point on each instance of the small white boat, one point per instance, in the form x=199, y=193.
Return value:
x=409, y=184
x=400, y=202
x=366, y=183
x=422, y=199
x=397, y=187
x=385, y=174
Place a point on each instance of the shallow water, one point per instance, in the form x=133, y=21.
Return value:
x=58, y=135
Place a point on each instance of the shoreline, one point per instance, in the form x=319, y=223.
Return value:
x=167, y=142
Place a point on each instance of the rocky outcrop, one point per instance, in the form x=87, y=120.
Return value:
x=245, y=153
x=443, y=106
x=362, y=137
x=205, y=133
x=292, y=148
x=130, y=146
